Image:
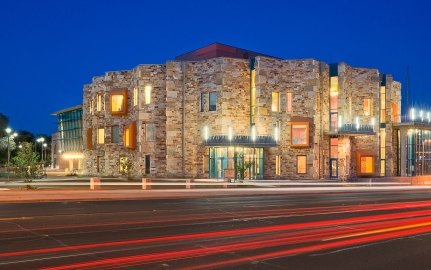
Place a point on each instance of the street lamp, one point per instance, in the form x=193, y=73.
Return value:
x=41, y=140
x=10, y=135
x=44, y=151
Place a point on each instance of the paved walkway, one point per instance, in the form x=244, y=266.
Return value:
x=130, y=194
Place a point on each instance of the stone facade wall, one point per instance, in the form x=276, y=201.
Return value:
x=179, y=118
x=104, y=159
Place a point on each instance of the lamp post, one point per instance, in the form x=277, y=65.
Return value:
x=44, y=152
x=10, y=135
x=41, y=140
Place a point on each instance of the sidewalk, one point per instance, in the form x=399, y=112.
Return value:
x=133, y=194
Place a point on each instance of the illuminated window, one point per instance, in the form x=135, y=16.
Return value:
x=90, y=138
x=150, y=132
x=301, y=164
x=148, y=89
x=91, y=106
x=289, y=102
x=366, y=165
x=135, y=96
x=129, y=136
x=275, y=105
x=300, y=134
x=277, y=164
x=367, y=106
x=118, y=101
x=382, y=104
x=253, y=91
x=99, y=102
x=382, y=151
x=115, y=133
x=334, y=147
x=333, y=93
x=100, y=135
x=213, y=101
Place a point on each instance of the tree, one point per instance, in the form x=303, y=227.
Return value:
x=26, y=162
x=3, y=148
x=4, y=123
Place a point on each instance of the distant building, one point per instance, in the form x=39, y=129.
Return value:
x=67, y=143
x=223, y=111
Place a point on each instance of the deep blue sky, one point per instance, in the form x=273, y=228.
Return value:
x=50, y=49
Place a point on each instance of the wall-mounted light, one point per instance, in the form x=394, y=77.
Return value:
x=340, y=121
x=230, y=136
x=357, y=122
x=412, y=114
x=428, y=116
x=421, y=115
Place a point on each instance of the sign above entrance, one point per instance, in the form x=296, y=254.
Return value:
x=240, y=140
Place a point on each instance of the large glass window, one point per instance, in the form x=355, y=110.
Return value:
x=150, y=132
x=101, y=135
x=300, y=134
x=275, y=105
x=213, y=101
x=115, y=133
x=301, y=164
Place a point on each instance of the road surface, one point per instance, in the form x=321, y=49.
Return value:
x=350, y=230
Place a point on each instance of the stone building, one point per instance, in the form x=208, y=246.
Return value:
x=225, y=112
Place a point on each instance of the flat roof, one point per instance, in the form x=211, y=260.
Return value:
x=67, y=109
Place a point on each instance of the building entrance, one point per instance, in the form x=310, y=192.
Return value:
x=241, y=162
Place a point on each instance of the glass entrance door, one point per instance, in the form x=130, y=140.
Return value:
x=246, y=163
x=333, y=167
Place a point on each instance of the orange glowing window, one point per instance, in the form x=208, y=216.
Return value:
x=367, y=165
x=118, y=101
x=301, y=164
x=129, y=136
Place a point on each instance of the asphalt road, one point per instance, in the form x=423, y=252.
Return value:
x=378, y=230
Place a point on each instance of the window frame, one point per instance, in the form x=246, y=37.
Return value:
x=130, y=131
x=118, y=134
x=297, y=164
x=307, y=143
x=277, y=103
x=100, y=139
x=118, y=92
x=214, y=108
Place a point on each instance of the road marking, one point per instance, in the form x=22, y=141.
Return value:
x=15, y=218
x=391, y=229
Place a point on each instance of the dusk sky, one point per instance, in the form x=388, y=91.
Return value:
x=50, y=49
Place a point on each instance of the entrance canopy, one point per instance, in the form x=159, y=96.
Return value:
x=241, y=140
